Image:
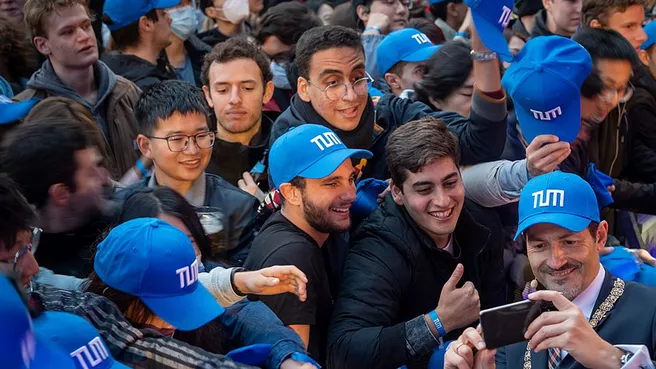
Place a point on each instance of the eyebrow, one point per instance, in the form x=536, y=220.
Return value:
x=430, y=183
x=339, y=72
x=229, y=83
x=332, y=178
x=199, y=129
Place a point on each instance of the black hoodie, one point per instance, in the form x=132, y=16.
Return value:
x=142, y=72
x=540, y=28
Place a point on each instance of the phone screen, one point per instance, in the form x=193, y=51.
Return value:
x=507, y=324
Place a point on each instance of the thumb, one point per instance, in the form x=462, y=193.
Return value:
x=485, y=359
x=248, y=179
x=271, y=282
x=451, y=284
x=540, y=140
x=242, y=184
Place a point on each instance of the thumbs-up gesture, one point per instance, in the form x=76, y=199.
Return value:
x=458, y=307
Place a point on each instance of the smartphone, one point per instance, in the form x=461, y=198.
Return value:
x=506, y=325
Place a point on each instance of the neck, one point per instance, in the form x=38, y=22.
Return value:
x=181, y=187
x=243, y=138
x=529, y=22
x=227, y=28
x=176, y=52
x=144, y=51
x=53, y=220
x=82, y=80
x=441, y=240
x=553, y=28
x=298, y=220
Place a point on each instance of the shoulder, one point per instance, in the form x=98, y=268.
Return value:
x=283, y=249
x=127, y=191
x=219, y=185
x=127, y=88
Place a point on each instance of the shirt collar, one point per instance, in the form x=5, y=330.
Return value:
x=196, y=194
x=586, y=300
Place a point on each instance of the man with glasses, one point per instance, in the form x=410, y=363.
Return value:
x=333, y=92
x=174, y=133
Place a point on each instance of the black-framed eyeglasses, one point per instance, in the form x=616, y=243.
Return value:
x=336, y=91
x=407, y=3
x=179, y=143
x=611, y=94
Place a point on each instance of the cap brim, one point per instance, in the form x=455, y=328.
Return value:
x=11, y=112
x=492, y=37
x=163, y=4
x=421, y=55
x=50, y=356
x=186, y=312
x=565, y=131
x=329, y=163
x=571, y=222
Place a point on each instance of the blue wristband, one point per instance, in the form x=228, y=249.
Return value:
x=374, y=28
x=462, y=34
x=437, y=323
x=141, y=168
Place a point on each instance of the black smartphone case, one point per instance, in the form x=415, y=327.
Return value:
x=507, y=326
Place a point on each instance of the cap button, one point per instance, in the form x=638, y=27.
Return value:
x=154, y=224
x=539, y=68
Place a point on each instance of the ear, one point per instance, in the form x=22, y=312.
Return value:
x=42, y=45
x=208, y=96
x=547, y=4
x=595, y=24
x=452, y=9
x=602, y=235
x=268, y=92
x=362, y=13
x=59, y=194
x=146, y=25
x=211, y=12
x=143, y=143
x=291, y=194
x=393, y=81
x=397, y=194
x=302, y=91
x=644, y=57
x=435, y=103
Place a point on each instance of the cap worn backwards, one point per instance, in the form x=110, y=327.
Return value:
x=125, y=12
x=558, y=198
x=308, y=151
x=156, y=262
x=544, y=83
x=408, y=45
x=491, y=17
x=78, y=338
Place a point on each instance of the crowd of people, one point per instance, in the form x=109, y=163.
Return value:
x=326, y=183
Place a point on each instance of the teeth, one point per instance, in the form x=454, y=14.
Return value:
x=340, y=210
x=441, y=214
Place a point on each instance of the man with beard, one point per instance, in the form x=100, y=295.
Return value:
x=312, y=169
x=599, y=321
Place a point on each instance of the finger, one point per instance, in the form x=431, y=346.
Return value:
x=550, y=153
x=546, y=332
x=611, y=188
x=454, y=361
x=248, y=179
x=560, y=302
x=540, y=140
x=553, y=342
x=465, y=352
x=285, y=270
x=451, y=284
x=485, y=359
x=548, y=318
x=473, y=337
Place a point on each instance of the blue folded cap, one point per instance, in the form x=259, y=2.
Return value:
x=544, y=83
x=255, y=355
x=408, y=45
x=600, y=182
x=12, y=111
x=650, y=30
x=491, y=17
x=126, y=12
x=366, y=199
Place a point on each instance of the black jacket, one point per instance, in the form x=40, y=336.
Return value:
x=395, y=273
x=142, y=72
x=632, y=321
x=212, y=37
x=196, y=49
x=482, y=136
x=540, y=27
x=642, y=126
x=231, y=159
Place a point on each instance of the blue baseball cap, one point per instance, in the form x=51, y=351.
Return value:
x=78, y=338
x=558, y=198
x=650, y=30
x=408, y=45
x=491, y=17
x=308, y=151
x=156, y=262
x=125, y=12
x=12, y=111
x=21, y=347
x=544, y=83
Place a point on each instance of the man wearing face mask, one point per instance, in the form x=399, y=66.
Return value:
x=141, y=30
x=186, y=51
x=229, y=17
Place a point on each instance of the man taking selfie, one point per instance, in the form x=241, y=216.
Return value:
x=598, y=320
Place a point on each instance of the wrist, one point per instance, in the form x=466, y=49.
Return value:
x=608, y=357
x=238, y=281
x=462, y=34
x=373, y=29
x=443, y=322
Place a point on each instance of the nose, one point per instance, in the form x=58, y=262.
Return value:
x=641, y=36
x=350, y=93
x=235, y=97
x=192, y=146
x=401, y=8
x=441, y=199
x=557, y=259
x=29, y=268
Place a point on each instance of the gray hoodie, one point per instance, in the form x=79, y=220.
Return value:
x=46, y=79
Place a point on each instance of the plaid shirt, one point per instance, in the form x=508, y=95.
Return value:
x=131, y=346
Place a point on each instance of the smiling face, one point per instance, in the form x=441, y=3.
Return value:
x=433, y=197
x=397, y=12
x=629, y=25
x=562, y=260
x=335, y=66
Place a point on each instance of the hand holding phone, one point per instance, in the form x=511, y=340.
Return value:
x=507, y=324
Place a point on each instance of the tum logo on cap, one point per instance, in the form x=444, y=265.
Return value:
x=188, y=275
x=552, y=198
x=421, y=38
x=504, y=19
x=326, y=140
x=93, y=353
x=547, y=115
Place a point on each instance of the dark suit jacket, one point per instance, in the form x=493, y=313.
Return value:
x=632, y=321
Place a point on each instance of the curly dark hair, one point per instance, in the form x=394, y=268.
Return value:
x=236, y=48
x=15, y=51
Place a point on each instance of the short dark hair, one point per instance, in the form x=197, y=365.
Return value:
x=438, y=10
x=164, y=99
x=287, y=21
x=398, y=68
x=35, y=12
x=40, y=154
x=232, y=49
x=603, y=44
x=425, y=26
x=17, y=214
x=602, y=9
x=129, y=35
x=446, y=71
x=418, y=143
x=324, y=38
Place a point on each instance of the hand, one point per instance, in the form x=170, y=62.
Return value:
x=568, y=329
x=379, y=20
x=381, y=196
x=645, y=257
x=545, y=153
x=467, y=23
x=247, y=184
x=611, y=189
x=273, y=281
x=458, y=307
x=459, y=354
x=293, y=364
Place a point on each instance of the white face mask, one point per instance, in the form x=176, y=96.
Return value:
x=184, y=22
x=235, y=11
